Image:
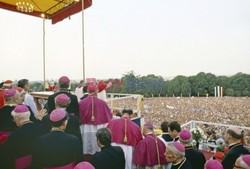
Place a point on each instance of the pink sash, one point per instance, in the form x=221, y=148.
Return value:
x=23, y=162
x=68, y=166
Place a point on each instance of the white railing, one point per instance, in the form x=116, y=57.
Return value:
x=119, y=96
x=193, y=124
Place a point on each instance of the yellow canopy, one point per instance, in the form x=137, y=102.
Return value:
x=56, y=10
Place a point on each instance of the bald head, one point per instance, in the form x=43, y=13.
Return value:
x=235, y=133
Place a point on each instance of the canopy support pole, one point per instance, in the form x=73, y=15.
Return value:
x=44, y=75
x=83, y=54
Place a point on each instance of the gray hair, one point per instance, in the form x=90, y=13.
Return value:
x=175, y=150
x=16, y=95
x=25, y=115
x=189, y=141
x=103, y=135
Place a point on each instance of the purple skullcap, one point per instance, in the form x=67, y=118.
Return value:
x=91, y=87
x=246, y=159
x=148, y=124
x=64, y=79
x=21, y=109
x=213, y=164
x=57, y=115
x=84, y=165
x=185, y=135
x=179, y=146
x=62, y=99
x=9, y=93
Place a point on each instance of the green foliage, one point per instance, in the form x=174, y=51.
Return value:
x=152, y=85
x=196, y=135
x=221, y=147
x=36, y=86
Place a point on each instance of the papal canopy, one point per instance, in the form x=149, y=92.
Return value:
x=56, y=10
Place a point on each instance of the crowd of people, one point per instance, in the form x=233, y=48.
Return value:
x=225, y=110
x=80, y=131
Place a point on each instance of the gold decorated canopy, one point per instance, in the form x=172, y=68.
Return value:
x=56, y=10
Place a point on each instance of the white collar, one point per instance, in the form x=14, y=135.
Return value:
x=149, y=133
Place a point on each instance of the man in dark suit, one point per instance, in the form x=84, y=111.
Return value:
x=63, y=89
x=85, y=92
x=110, y=156
x=233, y=137
x=165, y=137
x=57, y=148
x=20, y=143
x=174, y=128
x=196, y=158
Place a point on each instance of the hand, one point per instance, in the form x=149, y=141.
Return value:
x=40, y=114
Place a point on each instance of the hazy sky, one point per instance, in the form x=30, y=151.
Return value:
x=162, y=37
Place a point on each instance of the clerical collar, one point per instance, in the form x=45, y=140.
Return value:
x=150, y=133
x=92, y=94
x=63, y=90
x=233, y=145
x=165, y=133
x=26, y=122
x=180, y=163
x=11, y=105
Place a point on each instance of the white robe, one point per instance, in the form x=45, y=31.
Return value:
x=29, y=101
x=88, y=133
x=102, y=95
x=128, y=154
x=79, y=93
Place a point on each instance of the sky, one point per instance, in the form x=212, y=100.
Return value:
x=161, y=37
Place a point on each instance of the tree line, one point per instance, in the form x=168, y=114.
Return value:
x=198, y=85
x=152, y=85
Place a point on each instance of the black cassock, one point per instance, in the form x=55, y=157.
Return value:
x=185, y=164
x=233, y=153
x=6, y=120
x=20, y=143
x=8, y=125
x=110, y=157
x=167, y=137
x=73, y=125
x=73, y=106
x=84, y=96
x=56, y=148
x=195, y=157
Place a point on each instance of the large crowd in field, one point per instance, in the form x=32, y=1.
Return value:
x=84, y=130
x=225, y=110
